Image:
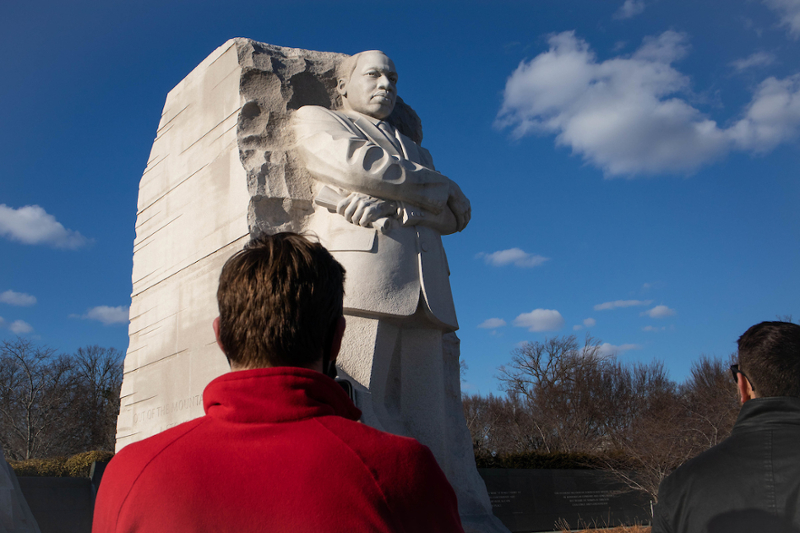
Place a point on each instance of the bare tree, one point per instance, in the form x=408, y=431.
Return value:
x=652, y=440
x=577, y=399
x=499, y=425
x=482, y=421
x=675, y=423
x=54, y=404
x=711, y=400
x=562, y=386
x=37, y=387
x=98, y=373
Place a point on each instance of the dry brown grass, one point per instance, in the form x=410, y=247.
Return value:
x=620, y=529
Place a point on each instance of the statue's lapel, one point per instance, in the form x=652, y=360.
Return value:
x=375, y=134
x=410, y=148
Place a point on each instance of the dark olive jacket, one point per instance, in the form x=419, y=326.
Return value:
x=750, y=482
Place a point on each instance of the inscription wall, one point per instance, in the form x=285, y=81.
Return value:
x=538, y=500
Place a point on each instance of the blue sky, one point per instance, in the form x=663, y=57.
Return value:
x=632, y=164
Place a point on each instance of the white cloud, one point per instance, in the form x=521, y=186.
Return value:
x=492, y=323
x=20, y=327
x=514, y=256
x=605, y=306
x=540, y=320
x=789, y=12
x=629, y=9
x=17, y=298
x=588, y=323
x=624, y=114
x=607, y=349
x=33, y=225
x=654, y=328
x=772, y=117
x=108, y=315
x=659, y=311
x=758, y=59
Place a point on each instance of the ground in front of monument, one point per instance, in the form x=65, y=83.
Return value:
x=621, y=529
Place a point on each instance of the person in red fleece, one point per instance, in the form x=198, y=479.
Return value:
x=280, y=448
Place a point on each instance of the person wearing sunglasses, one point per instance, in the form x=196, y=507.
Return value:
x=750, y=482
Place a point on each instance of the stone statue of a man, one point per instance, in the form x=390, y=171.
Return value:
x=381, y=209
x=398, y=300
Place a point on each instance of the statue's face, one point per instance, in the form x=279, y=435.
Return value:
x=372, y=88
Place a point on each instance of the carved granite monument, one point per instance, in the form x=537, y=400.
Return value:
x=261, y=138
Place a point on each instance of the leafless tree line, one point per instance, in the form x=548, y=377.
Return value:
x=56, y=404
x=567, y=397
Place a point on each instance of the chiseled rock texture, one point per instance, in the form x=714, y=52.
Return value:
x=223, y=168
x=218, y=171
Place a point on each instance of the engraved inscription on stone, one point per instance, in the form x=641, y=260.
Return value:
x=166, y=409
x=586, y=498
x=503, y=496
x=534, y=500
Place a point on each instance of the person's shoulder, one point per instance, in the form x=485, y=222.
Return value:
x=401, y=465
x=707, y=472
x=361, y=436
x=395, y=456
x=715, y=457
x=413, y=484
x=129, y=462
x=125, y=470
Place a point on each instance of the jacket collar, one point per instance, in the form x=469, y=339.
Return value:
x=272, y=395
x=769, y=411
x=369, y=125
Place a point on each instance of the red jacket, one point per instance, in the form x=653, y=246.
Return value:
x=279, y=450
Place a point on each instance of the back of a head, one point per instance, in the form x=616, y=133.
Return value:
x=769, y=353
x=279, y=301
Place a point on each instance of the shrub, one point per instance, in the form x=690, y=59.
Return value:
x=81, y=464
x=50, y=467
x=76, y=466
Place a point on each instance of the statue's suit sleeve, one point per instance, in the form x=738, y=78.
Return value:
x=337, y=153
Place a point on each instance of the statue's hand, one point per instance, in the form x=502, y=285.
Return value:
x=459, y=205
x=363, y=210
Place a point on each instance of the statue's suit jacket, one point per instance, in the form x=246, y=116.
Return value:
x=386, y=273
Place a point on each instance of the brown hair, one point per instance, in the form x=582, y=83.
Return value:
x=279, y=299
x=769, y=353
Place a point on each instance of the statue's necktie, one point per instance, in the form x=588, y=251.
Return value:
x=389, y=131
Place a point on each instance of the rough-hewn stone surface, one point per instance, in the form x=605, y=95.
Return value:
x=220, y=169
